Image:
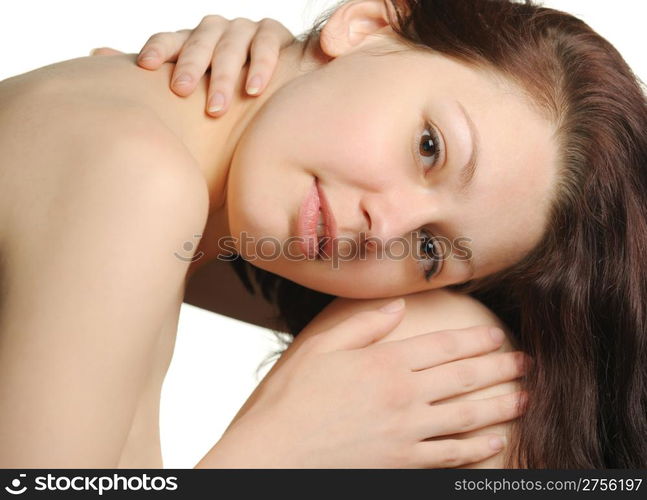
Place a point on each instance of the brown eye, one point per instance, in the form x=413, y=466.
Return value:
x=429, y=251
x=429, y=145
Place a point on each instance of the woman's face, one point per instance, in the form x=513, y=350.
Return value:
x=364, y=126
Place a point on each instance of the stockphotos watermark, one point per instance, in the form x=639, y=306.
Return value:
x=269, y=248
x=97, y=484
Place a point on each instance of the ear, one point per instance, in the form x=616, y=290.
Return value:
x=352, y=25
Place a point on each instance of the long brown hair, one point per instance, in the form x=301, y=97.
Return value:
x=578, y=302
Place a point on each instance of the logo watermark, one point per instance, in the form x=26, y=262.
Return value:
x=97, y=484
x=344, y=249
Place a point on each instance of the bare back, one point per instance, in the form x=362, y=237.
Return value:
x=61, y=127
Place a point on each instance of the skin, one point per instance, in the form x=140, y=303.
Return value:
x=369, y=162
x=432, y=310
x=219, y=162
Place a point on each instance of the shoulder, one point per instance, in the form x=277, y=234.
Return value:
x=117, y=158
x=133, y=189
x=427, y=311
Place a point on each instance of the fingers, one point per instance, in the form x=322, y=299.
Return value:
x=360, y=329
x=467, y=415
x=467, y=375
x=223, y=45
x=264, y=54
x=448, y=453
x=161, y=48
x=198, y=53
x=227, y=60
x=435, y=348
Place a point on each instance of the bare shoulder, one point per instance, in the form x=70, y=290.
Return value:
x=103, y=155
x=90, y=278
x=428, y=311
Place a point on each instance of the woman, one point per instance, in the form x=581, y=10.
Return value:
x=88, y=323
x=591, y=318
x=347, y=58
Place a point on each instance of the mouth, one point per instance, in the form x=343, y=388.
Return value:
x=316, y=224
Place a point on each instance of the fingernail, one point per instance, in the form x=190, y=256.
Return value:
x=394, y=306
x=497, y=335
x=496, y=443
x=254, y=85
x=148, y=55
x=183, y=79
x=217, y=102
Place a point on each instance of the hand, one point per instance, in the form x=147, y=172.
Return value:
x=344, y=400
x=222, y=45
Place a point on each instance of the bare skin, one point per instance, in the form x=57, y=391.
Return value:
x=124, y=137
x=430, y=310
x=27, y=101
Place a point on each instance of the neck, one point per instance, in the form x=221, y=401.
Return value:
x=214, y=141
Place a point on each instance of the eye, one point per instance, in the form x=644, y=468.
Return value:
x=429, y=145
x=430, y=257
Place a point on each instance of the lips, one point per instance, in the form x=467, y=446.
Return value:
x=330, y=225
x=314, y=205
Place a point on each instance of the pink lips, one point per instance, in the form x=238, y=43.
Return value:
x=307, y=222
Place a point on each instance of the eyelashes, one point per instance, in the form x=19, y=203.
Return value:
x=428, y=247
x=429, y=145
x=429, y=149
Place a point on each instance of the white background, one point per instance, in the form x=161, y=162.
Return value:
x=216, y=359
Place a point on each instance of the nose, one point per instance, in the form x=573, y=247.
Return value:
x=393, y=214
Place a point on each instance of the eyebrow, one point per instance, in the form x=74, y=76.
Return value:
x=468, y=170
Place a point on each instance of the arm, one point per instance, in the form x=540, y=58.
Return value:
x=91, y=274
x=432, y=310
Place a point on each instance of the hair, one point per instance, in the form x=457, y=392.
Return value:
x=577, y=303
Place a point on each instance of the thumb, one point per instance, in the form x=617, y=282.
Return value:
x=364, y=328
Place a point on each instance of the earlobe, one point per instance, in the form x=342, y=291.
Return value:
x=351, y=25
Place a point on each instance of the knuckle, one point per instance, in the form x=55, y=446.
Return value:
x=212, y=19
x=241, y=21
x=451, y=455
x=268, y=22
x=466, y=376
x=266, y=58
x=264, y=64
x=466, y=417
x=187, y=66
x=227, y=45
x=277, y=29
x=196, y=43
x=447, y=343
x=221, y=80
x=158, y=37
x=266, y=45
